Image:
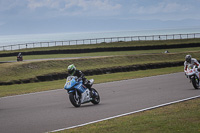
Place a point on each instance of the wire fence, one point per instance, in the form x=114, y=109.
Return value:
x=100, y=40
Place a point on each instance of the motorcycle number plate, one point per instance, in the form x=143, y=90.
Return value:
x=68, y=83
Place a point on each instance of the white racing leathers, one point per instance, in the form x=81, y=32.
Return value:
x=193, y=62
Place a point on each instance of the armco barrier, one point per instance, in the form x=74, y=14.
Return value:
x=57, y=76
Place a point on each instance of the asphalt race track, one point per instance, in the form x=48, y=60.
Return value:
x=52, y=110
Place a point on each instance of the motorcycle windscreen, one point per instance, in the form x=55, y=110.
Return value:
x=69, y=84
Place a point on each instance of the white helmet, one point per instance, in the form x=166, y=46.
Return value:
x=188, y=58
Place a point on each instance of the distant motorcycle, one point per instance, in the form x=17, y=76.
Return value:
x=79, y=94
x=19, y=57
x=193, y=74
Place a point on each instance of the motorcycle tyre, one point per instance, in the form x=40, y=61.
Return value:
x=73, y=100
x=194, y=83
x=95, y=100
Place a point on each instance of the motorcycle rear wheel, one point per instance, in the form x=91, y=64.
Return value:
x=75, y=101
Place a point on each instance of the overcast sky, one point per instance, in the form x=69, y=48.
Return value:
x=57, y=16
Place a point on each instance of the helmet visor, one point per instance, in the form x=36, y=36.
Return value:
x=188, y=59
x=71, y=72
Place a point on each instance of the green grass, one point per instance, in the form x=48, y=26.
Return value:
x=9, y=90
x=27, y=70
x=176, y=118
x=137, y=52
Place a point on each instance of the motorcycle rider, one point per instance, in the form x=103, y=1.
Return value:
x=72, y=71
x=190, y=61
x=19, y=57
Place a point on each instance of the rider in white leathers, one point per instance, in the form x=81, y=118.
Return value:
x=189, y=61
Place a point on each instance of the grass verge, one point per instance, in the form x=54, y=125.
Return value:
x=176, y=118
x=10, y=90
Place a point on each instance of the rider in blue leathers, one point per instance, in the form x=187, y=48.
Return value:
x=72, y=71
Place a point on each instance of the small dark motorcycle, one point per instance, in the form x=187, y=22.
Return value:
x=19, y=57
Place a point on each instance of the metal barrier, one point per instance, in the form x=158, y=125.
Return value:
x=100, y=40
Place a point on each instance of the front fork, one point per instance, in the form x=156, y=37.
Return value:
x=76, y=94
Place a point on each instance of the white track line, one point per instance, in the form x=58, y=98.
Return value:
x=161, y=105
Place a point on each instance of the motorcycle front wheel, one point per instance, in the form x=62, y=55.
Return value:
x=195, y=82
x=76, y=101
x=96, y=97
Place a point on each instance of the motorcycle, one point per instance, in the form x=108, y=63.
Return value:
x=193, y=74
x=78, y=93
x=19, y=57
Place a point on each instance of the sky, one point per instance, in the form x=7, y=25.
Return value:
x=67, y=16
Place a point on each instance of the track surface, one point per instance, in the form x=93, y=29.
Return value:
x=51, y=110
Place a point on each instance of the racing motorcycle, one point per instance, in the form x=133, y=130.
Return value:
x=19, y=57
x=78, y=93
x=193, y=74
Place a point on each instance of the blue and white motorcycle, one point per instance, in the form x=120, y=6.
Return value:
x=79, y=94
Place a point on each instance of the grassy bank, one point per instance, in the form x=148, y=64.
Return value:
x=27, y=70
x=137, y=52
x=176, y=118
x=10, y=90
x=31, y=69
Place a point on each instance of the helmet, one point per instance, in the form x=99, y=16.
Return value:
x=188, y=58
x=71, y=69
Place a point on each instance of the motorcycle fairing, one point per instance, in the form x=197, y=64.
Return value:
x=78, y=88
